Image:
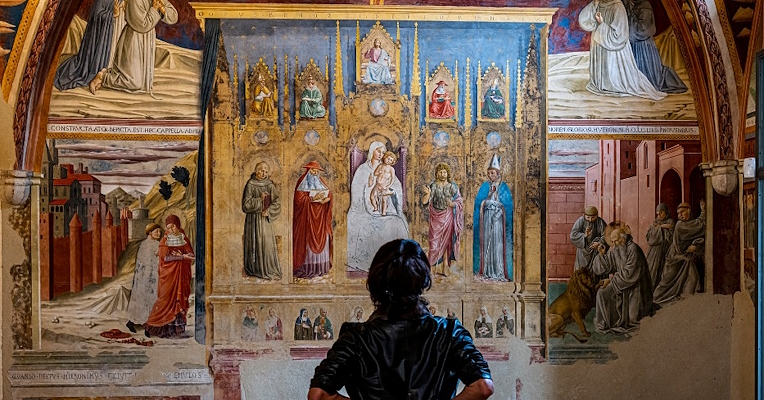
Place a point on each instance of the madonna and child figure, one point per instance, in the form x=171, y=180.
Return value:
x=368, y=228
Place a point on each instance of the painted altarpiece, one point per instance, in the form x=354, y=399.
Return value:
x=391, y=118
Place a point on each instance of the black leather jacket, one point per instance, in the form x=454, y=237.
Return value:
x=420, y=358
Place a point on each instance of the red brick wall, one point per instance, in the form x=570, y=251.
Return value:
x=566, y=204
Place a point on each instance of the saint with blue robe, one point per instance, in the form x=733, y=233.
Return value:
x=492, y=245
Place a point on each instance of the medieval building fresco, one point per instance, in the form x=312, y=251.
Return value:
x=100, y=270
x=650, y=193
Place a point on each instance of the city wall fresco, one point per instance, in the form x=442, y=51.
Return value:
x=330, y=136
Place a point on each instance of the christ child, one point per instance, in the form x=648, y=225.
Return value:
x=384, y=176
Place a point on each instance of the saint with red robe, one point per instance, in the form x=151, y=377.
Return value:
x=168, y=316
x=312, y=224
x=440, y=102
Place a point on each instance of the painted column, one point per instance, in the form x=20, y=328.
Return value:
x=46, y=257
x=19, y=281
x=107, y=247
x=724, y=218
x=75, y=254
x=97, y=250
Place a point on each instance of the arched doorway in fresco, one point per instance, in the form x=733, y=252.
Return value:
x=671, y=191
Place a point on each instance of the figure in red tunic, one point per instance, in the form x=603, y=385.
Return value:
x=440, y=102
x=312, y=224
x=168, y=316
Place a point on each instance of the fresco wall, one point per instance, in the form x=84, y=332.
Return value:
x=328, y=137
x=585, y=104
x=334, y=137
x=119, y=168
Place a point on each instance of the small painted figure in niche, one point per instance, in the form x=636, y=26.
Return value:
x=625, y=296
x=433, y=310
x=440, y=102
x=168, y=316
x=367, y=229
x=680, y=271
x=493, y=102
x=451, y=314
x=381, y=183
x=312, y=101
x=262, y=205
x=94, y=51
x=492, y=247
x=274, y=330
x=641, y=32
x=143, y=293
x=312, y=224
x=659, y=237
x=505, y=326
x=250, y=326
x=483, y=324
x=303, y=329
x=263, y=104
x=446, y=213
x=322, y=326
x=612, y=68
x=133, y=68
x=378, y=65
x=587, y=234
x=357, y=315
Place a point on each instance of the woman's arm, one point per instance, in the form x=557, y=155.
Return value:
x=481, y=389
x=320, y=394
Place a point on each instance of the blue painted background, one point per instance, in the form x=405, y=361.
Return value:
x=438, y=41
x=11, y=15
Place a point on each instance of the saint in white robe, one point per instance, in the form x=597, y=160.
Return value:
x=612, y=68
x=133, y=65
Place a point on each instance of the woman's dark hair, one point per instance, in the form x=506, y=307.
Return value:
x=399, y=274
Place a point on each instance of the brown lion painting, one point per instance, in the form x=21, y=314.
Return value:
x=573, y=305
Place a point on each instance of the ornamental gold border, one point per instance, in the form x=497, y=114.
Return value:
x=365, y=13
x=605, y=136
x=132, y=137
x=18, y=46
x=729, y=38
